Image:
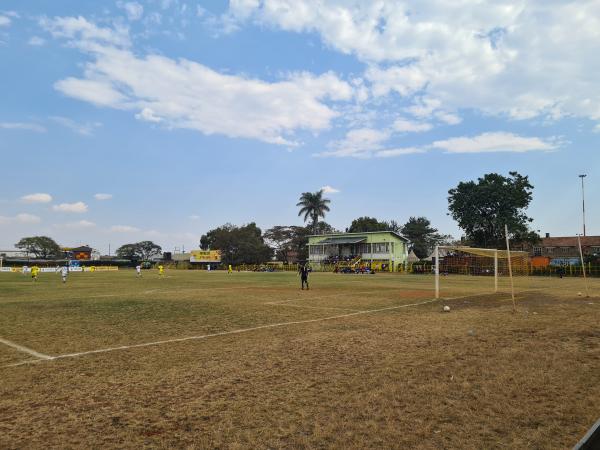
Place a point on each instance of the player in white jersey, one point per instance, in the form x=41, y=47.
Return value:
x=64, y=271
x=138, y=270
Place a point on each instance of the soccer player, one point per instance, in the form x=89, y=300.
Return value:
x=304, y=276
x=34, y=272
x=64, y=271
x=229, y=269
x=161, y=270
x=138, y=270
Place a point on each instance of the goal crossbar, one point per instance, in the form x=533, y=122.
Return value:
x=490, y=252
x=485, y=252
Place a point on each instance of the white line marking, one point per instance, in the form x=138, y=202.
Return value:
x=314, y=307
x=27, y=361
x=224, y=333
x=317, y=298
x=25, y=349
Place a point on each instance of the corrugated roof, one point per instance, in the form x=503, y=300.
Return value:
x=570, y=241
x=399, y=236
x=342, y=240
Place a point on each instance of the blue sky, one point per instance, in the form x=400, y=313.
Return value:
x=184, y=115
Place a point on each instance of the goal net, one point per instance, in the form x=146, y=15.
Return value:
x=461, y=271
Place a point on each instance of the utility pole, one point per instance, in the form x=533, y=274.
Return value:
x=583, y=200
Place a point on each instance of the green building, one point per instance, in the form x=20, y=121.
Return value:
x=379, y=250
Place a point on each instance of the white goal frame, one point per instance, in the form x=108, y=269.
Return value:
x=472, y=250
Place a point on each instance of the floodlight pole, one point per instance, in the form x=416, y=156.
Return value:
x=436, y=255
x=587, y=292
x=582, y=176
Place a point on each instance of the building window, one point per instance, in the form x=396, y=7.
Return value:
x=537, y=251
x=595, y=249
x=381, y=247
x=364, y=248
x=549, y=250
x=315, y=249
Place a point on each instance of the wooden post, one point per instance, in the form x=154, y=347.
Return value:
x=587, y=292
x=496, y=271
x=437, y=271
x=512, y=286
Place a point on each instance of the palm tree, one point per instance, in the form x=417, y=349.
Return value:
x=313, y=206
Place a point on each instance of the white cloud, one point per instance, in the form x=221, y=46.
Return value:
x=123, y=229
x=36, y=41
x=77, y=207
x=103, y=196
x=410, y=126
x=100, y=93
x=85, y=33
x=84, y=129
x=27, y=218
x=22, y=126
x=22, y=218
x=329, y=189
x=134, y=10
x=359, y=143
x=393, y=152
x=403, y=80
x=185, y=94
x=501, y=57
x=449, y=118
x=37, y=198
x=495, y=142
x=81, y=224
x=194, y=217
x=367, y=143
x=4, y=21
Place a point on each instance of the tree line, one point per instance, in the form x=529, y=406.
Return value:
x=248, y=244
x=45, y=247
x=481, y=208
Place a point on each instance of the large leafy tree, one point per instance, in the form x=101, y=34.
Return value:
x=366, y=224
x=313, y=206
x=139, y=251
x=291, y=240
x=322, y=228
x=482, y=208
x=423, y=236
x=39, y=246
x=148, y=250
x=238, y=245
x=127, y=251
x=285, y=240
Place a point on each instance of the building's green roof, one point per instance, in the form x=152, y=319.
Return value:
x=342, y=240
x=363, y=235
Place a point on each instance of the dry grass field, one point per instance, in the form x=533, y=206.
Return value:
x=248, y=360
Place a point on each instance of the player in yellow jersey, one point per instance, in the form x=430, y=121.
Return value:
x=34, y=272
x=161, y=270
x=229, y=269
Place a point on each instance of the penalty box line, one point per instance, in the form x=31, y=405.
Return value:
x=320, y=297
x=24, y=349
x=222, y=333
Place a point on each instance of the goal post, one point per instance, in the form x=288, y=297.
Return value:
x=467, y=268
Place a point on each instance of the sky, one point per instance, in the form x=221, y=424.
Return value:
x=159, y=120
